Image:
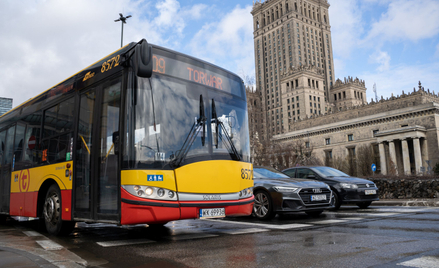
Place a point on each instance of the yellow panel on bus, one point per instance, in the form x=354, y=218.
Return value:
x=154, y=178
x=30, y=180
x=218, y=176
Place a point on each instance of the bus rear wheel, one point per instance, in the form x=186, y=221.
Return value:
x=3, y=219
x=52, y=213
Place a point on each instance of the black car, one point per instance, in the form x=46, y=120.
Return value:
x=276, y=193
x=346, y=189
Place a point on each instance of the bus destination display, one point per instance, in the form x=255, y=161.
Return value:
x=196, y=74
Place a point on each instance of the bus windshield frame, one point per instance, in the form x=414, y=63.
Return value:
x=176, y=106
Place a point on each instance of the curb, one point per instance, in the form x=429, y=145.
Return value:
x=407, y=202
x=19, y=258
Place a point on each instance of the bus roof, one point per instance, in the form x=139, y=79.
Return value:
x=97, y=71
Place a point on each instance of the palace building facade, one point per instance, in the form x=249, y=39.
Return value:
x=298, y=98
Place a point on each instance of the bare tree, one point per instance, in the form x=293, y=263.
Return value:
x=365, y=160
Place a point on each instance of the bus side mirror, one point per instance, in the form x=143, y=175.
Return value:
x=116, y=142
x=142, y=62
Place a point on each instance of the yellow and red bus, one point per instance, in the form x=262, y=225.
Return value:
x=144, y=136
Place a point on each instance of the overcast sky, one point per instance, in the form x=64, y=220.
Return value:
x=393, y=43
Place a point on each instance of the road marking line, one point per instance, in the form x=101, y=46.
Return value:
x=364, y=214
x=49, y=245
x=244, y=231
x=423, y=262
x=124, y=242
x=189, y=236
x=32, y=233
x=328, y=221
x=271, y=226
x=352, y=219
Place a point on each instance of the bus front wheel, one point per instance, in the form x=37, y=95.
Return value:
x=52, y=213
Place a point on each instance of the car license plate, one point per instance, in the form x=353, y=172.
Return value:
x=369, y=192
x=318, y=197
x=212, y=213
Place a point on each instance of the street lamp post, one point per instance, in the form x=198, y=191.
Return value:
x=123, y=20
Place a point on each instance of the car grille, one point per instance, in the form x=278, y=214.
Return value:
x=365, y=186
x=305, y=194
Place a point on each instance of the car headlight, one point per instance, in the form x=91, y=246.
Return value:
x=283, y=189
x=348, y=185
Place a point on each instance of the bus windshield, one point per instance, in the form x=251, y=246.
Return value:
x=164, y=113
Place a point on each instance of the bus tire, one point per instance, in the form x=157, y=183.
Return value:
x=52, y=213
x=3, y=218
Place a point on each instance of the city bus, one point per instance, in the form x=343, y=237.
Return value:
x=146, y=135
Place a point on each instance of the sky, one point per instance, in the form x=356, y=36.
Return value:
x=391, y=43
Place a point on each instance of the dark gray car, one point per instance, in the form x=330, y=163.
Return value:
x=276, y=193
x=346, y=189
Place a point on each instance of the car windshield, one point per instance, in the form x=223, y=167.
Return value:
x=259, y=173
x=329, y=172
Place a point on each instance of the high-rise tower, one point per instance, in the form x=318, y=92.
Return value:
x=294, y=61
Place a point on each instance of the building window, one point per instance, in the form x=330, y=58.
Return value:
x=350, y=137
x=328, y=141
x=307, y=144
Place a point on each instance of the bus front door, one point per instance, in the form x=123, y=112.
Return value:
x=97, y=180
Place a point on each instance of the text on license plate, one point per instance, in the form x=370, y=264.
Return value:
x=212, y=213
x=318, y=197
x=368, y=192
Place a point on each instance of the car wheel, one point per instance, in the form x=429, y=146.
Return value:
x=314, y=213
x=263, y=206
x=52, y=213
x=364, y=204
x=335, y=200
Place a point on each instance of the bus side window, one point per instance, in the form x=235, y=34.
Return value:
x=58, y=127
x=18, y=147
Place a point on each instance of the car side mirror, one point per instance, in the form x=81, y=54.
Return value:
x=311, y=176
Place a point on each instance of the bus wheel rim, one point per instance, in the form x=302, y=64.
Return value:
x=51, y=209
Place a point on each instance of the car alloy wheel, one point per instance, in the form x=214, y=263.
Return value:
x=263, y=207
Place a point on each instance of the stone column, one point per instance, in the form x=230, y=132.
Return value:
x=393, y=156
x=418, y=155
x=405, y=157
x=424, y=149
x=382, y=158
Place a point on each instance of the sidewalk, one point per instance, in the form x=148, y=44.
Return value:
x=428, y=202
x=12, y=258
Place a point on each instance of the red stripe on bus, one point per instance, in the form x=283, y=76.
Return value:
x=23, y=204
x=66, y=196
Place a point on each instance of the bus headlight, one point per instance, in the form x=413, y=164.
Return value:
x=247, y=192
x=160, y=192
x=149, y=191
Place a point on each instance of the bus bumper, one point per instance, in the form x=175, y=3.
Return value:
x=136, y=210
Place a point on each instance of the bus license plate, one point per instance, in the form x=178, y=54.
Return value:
x=369, y=192
x=212, y=213
x=318, y=197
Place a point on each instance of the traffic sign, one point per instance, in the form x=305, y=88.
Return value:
x=31, y=142
x=374, y=167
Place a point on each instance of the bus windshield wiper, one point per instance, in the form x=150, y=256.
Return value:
x=199, y=124
x=230, y=146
